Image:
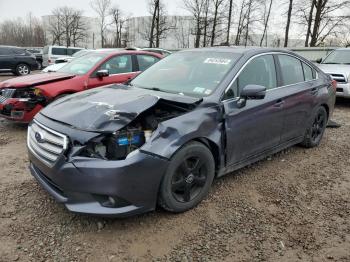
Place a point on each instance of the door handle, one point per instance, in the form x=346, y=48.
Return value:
x=279, y=103
x=314, y=91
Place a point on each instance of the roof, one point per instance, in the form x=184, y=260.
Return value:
x=237, y=49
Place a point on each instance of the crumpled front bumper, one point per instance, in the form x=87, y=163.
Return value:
x=81, y=183
x=16, y=109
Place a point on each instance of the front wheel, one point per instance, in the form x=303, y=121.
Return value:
x=22, y=70
x=188, y=178
x=315, y=132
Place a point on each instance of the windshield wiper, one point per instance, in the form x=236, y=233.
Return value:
x=159, y=90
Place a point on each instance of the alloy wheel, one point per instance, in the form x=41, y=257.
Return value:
x=189, y=179
x=318, y=126
x=23, y=70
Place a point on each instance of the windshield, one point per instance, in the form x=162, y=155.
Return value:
x=82, y=65
x=338, y=57
x=195, y=73
x=80, y=53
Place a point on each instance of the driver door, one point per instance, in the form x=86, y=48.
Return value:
x=120, y=69
x=257, y=126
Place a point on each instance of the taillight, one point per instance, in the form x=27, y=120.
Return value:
x=334, y=85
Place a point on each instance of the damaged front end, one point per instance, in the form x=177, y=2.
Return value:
x=123, y=143
x=21, y=104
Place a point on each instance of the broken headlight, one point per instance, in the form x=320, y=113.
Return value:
x=117, y=146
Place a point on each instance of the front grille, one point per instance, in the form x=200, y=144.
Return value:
x=2, y=99
x=7, y=92
x=48, y=145
x=339, y=78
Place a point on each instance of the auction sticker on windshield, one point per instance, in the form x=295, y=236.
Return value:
x=218, y=61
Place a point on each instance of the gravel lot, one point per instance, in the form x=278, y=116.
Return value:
x=293, y=206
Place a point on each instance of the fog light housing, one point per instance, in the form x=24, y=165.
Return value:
x=111, y=201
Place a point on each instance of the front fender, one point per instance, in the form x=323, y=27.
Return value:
x=174, y=133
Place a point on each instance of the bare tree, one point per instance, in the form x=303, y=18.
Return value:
x=289, y=16
x=217, y=17
x=230, y=9
x=102, y=7
x=196, y=8
x=158, y=25
x=322, y=19
x=119, y=22
x=21, y=32
x=267, y=12
x=67, y=26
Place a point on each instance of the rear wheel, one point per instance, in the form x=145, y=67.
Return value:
x=188, y=178
x=22, y=70
x=315, y=132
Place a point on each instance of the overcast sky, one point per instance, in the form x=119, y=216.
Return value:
x=20, y=8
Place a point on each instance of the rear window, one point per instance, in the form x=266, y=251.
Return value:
x=4, y=51
x=145, y=61
x=292, y=71
x=59, y=51
x=71, y=51
x=18, y=51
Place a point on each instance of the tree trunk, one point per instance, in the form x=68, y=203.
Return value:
x=198, y=33
x=314, y=35
x=248, y=21
x=309, y=23
x=205, y=23
x=266, y=23
x=151, y=37
x=157, y=25
x=229, y=23
x=213, y=32
x=238, y=35
x=286, y=34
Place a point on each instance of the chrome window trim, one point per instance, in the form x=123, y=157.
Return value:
x=272, y=89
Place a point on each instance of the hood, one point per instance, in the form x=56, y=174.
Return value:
x=32, y=80
x=109, y=108
x=335, y=69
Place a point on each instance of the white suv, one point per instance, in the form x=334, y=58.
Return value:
x=337, y=65
x=51, y=53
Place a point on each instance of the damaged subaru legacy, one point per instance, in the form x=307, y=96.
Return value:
x=162, y=138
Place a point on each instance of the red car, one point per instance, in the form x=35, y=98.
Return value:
x=22, y=97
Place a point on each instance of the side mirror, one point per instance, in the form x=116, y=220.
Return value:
x=253, y=92
x=102, y=73
x=318, y=61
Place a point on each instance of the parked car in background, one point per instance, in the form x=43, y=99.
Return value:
x=51, y=53
x=22, y=97
x=337, y=65
x=61, y=62
x=16, y=60
x=195, y=115
x=38, y=52
x=160, y=51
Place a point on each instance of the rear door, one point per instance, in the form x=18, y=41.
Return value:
x=145, y=61
x=6, y=59
x=256, y=127
x=301, y=89
x=120, y=69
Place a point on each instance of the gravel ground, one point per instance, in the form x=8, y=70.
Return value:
x=293, y=206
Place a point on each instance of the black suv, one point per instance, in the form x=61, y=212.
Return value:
x=16, y=60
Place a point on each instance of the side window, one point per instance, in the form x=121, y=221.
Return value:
x=18, y=51
x=145, y=61
x=71, y=51
x=259, y=71
x=292, y=71
x=59, y=51
x=118, y=65
x=308, y=72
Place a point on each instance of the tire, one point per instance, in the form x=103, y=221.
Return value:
x=22, y=70
x=315, y=131
x=39, y=65
x=188, y=178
